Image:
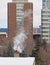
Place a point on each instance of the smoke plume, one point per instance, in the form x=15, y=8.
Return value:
x=19, y=41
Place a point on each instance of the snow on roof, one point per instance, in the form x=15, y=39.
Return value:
x=18, y=61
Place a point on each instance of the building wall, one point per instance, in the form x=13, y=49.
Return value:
x=45, y=20
x=27, y=23
x=11, y=19
x=2, y=35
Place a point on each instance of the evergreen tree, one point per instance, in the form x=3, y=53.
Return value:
x=23, y=54
x=35, y=52
x=44, y=44
x=10, y=51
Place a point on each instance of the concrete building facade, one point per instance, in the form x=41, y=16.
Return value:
x=20, y=17
x=45, y=20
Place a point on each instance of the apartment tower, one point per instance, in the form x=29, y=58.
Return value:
x=45, y=20
x=20, y=16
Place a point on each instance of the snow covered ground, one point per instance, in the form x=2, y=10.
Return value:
x=17, y=61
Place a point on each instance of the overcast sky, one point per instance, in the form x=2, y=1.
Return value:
x=36, y=12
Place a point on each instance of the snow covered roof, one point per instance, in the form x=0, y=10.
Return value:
x=18, y=61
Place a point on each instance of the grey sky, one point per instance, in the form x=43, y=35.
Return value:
x=36, y=12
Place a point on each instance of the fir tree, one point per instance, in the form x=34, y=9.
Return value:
x=10, y=51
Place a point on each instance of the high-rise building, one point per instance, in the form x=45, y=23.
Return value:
x=20, y=17
x=45, y=20
x=46, y=4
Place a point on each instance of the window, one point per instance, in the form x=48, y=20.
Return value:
x=44, y=31
x=20, y=16
x=19, y=13
x=20, y=10
x=45, y=35
x=44, y=23
x=48, y=0
x=19, y=5
x=45, y=39
x=43, y=5
x=44, y=19
x=43, y=12
x=19, y=20
x=44, y=27
x=48, y=15
x=44, y=0
x=45, y=16
x=48, y=5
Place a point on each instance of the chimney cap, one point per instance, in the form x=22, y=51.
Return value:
x=19, y=0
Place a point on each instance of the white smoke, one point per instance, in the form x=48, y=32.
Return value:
x=19, y=41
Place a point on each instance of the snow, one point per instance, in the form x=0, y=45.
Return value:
x=17, y=61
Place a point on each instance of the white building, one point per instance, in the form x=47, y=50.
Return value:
x=45, y=20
